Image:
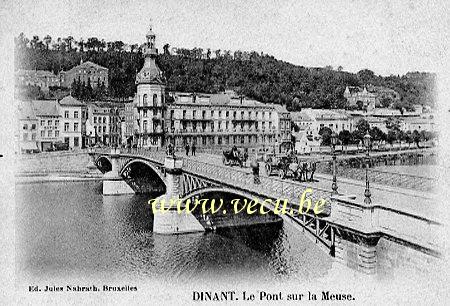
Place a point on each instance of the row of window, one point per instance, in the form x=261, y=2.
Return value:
x=67, y=127
x=100, y=129
x=100, y=119
x=25, y=136
x=25, y=126
x=226, y=140
x=227, y=114
x=224, y=125
x=50, y=133
x=155, y=100
x=50, y=122
x=67, y=114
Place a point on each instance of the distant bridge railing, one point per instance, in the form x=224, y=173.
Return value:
x=388, y=178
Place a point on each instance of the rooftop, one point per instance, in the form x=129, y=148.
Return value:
x=71, y=101
x=45, y=107
x=87, y=64
x=25, y=111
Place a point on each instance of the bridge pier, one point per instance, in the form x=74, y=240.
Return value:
x=354, y=237
x=361, y=232
x=113, y=183
x=172, y=221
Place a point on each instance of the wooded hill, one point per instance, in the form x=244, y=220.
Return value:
x=258, y=76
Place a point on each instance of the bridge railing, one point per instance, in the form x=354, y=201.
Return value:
x=271, y=187
x=388, y=178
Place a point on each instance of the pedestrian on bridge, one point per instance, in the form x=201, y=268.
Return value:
x=255, y=171
x=193, y=149
x=187, y=149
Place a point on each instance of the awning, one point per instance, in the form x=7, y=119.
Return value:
x=28, y=146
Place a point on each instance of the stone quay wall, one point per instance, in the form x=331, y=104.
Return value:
x=55, y=162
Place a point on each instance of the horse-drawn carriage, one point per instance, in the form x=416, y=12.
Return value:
x=288, y=165
x=234, y=157
x=280, y=164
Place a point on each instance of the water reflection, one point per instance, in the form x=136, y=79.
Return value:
x=70, y=228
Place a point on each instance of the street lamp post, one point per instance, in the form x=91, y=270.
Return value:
x=367, y=142
x=334, y=186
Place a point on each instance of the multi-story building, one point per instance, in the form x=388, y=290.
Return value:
x=202, y=119
x=315, y=119
x=41, y=78
x=115, y=124
x=48, y=117
x=224, y=120
x=73, y=122
x=423, y=123
x=87, y=72
x=363, y=98
x=26, y=133
x=282, y=121
x=98, y=124
x=150, y=98
x=311, y=121
x=127, y=124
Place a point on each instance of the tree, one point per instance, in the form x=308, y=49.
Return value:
x=166, y=49
x=345, y=137
x=365, y=76
x=391, y=137
x=386, y=102
x=416, y=138
x=68, y=40
x=409, y=138
x=47, y=40
x=360, y=104
x=377, y=134
x=392, y=123
x=325, y=132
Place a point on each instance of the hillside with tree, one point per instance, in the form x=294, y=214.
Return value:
x=255, y=75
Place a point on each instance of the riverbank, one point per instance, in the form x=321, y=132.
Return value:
x=31, y=178
x=55, y=166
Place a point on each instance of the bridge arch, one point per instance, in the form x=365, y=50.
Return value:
x=142, y=161
x=143, y=176
x=103, y=163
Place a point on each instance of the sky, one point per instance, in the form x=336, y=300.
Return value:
x=388, y=37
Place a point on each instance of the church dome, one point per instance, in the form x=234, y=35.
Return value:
x=150, y=73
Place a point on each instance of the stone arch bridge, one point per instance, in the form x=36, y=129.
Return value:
x=348, y=229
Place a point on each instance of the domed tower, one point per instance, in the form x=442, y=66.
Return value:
x=151, y=86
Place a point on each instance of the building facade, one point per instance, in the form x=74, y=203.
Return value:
x=311, y=121
x=87, y=73
x=49, y=118
x=26, y=132
x=41, y=78
x=224, y=120
x=97, y=124
x=203, y=120
x=150, y=98
x=360, y=97
x=73, y=122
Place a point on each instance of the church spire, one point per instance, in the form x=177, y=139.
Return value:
x=150, y=72
x=150, y=48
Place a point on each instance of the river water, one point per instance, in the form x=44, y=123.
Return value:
x=70, y=229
